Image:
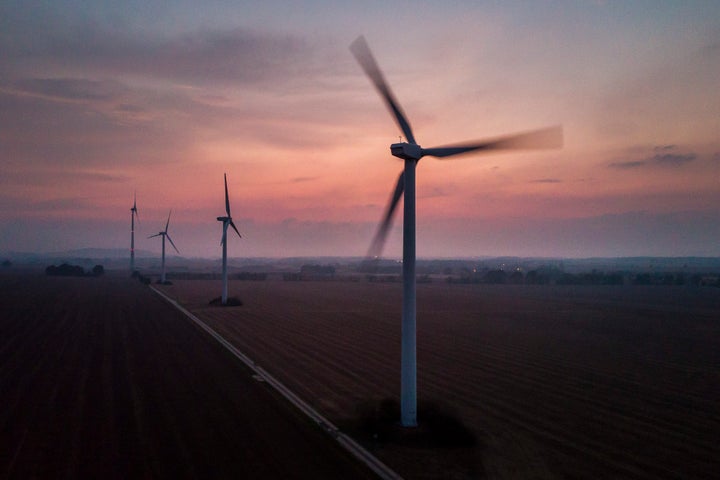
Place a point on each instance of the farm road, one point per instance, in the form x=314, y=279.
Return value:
x=100, y=378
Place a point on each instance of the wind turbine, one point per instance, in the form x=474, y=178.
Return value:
x=164, y=234
x=133, y=216
x=227, y=221
x=411, y=153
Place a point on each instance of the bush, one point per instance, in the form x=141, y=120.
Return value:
x=65, y=270
x=439, y=425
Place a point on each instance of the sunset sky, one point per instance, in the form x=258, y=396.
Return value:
x=102, y=99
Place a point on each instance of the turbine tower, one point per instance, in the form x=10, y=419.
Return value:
x=410, y=152
x=227, y=221
x=164, y=234
x=133, y=216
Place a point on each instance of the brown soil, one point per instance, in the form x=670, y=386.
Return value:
x=550, y=381
x=100, y=378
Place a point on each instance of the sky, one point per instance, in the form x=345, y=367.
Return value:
x=103, y=100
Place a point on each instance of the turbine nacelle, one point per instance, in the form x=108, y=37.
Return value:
x=406, y=151
x=224, y=219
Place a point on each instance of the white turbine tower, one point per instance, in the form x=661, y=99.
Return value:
x=411, y=153
x=133, y=216
x=164, y=234
x=227, y=221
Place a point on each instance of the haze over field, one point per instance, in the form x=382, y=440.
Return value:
x=100, y=100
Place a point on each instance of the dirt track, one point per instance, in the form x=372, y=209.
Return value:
x=556, y=382
x=99, y=378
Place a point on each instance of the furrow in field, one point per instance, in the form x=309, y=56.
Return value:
x=494, y=362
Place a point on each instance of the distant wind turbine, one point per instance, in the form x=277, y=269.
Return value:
x=227, y=221
x=133, y=216
x=411, y=153
x=164, y=234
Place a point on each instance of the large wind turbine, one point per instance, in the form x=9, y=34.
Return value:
x=227, y=221
x=411, y=153
x=133, y=215
x=164, y=234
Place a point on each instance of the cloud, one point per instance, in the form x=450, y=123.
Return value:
x=664, y=157
x=628, y=165
x=303, y=179
x=64, y=124
x=672, y=159
x=14, y=207
x=207, y=56
x=49, y=177
x=71, y=88
x=546, y=180
x=435, y=192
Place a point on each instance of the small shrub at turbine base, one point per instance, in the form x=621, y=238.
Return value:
x=378, y=423
x=231, y=302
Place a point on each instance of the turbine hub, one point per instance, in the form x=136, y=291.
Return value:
x=223, y=219
x=406, y=151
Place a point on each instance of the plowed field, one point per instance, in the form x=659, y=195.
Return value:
x=100, y=378
x=554, y=381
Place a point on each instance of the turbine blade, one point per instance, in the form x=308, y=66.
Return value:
x=227, y=200
x=232, y=224
x=156, y=235
x=365, y=58
x=171, y=243
x=168, y=221
x=378, y=242
x=551, y=137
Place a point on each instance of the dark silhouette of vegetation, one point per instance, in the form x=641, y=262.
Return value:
x=438, y=426
x=66, y=270
x=516, y=278
x=592, y=278
x=311, y=272
x=142, y=278
x=6, y=263
x=317, y=270
x=255, y=276
x=495, y=276
x=379, y=266
x=231, y=302
x=534, y=277
x=383, y=278
x=548, y=276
